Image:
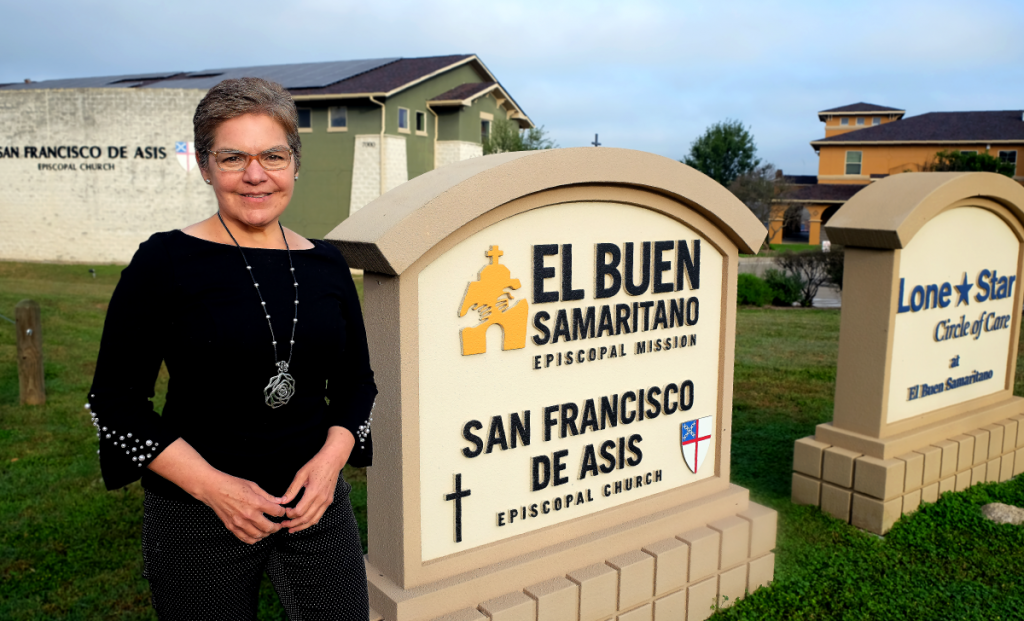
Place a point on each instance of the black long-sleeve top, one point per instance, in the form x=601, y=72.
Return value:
x=191, y=303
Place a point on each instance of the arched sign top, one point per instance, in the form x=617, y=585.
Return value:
x=888, y=213
x=392, y=232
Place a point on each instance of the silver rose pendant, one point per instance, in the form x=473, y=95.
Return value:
x=281, y=387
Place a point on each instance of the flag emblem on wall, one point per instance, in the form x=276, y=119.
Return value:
x=695, y=440
x=185, y=152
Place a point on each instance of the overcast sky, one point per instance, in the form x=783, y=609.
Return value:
x=649, y=75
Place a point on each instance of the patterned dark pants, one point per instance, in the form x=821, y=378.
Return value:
x=198, y=570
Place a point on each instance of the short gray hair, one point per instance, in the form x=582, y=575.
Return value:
x=234, y=98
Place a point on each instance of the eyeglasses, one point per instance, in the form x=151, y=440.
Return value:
x=237, y=161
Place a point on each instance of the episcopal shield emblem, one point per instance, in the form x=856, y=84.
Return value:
x=695, y=439
x=186, y=153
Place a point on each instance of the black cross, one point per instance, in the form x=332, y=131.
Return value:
x=457, y=496
x=595, y=143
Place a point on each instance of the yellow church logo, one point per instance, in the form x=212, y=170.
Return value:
x=491, y=297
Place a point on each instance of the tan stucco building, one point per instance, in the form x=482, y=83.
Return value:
x=865, y=142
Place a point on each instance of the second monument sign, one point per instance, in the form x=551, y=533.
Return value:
x=927, y=348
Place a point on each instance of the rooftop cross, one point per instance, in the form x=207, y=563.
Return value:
x=494, y=253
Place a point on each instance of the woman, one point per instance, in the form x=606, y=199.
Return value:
x=270, y=389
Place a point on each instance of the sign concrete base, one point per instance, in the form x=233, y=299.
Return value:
x=705, y=552
x=837, y=470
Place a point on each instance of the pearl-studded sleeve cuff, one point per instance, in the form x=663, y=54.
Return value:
x=361, y=427
x=126, y=446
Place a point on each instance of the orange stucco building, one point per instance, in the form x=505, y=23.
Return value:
x=865, y=142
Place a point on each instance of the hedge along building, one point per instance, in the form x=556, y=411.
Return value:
x=866, y=142
x=93, y=166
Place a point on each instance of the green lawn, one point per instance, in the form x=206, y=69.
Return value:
x=70, y=550
x=943, y=562
x=778, y=249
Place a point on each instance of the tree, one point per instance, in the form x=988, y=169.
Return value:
x=724, y=152
x=760, y=189
x=505, y=137
x=957, y=161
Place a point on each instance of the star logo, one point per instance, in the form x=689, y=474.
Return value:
x=963, y=289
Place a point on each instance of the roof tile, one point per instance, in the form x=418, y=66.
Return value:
x=941, y=127
x=387, y=78
x=338, y=77
x=464, y=91
x=824, y=192
x=863, y=107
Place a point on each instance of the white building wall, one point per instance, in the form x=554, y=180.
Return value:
x=365, y=171
x=396, y=162
x=366, y=168
x=451, y=151
x=95, y=210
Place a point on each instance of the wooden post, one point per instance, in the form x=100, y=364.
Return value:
x=30, y=353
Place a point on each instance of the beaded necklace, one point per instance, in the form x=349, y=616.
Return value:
x=282, y=386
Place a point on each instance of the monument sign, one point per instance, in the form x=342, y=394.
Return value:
x=927, y=348
x=552, y=334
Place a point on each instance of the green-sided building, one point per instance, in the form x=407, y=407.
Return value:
x=98, y=164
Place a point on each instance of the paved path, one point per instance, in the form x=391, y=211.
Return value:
x=828, y=297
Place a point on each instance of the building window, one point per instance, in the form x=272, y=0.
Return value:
x=337, y=118
x=403, y=120
x=853, y=161
x=968, y=152
x=1011, y=157
x=876, y=121
x=305, y=120
x=860, y=120
x=421, y=123
x=485, y=130
x=844, y=121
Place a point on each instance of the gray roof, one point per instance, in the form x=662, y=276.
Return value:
x=300, y=75
x=985, y=126
x=863, y=107
x=111, y=81
x=821, y=193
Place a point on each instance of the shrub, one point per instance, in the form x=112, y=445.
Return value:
x=785, y=287
x=953, y=161
x=810, y=268
x=753, y=291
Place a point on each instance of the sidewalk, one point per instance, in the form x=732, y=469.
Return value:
x=828, y=297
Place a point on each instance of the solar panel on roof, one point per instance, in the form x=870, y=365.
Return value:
x=115, y=81
x=300, y=75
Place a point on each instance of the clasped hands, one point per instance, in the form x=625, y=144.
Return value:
x=243, y=506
